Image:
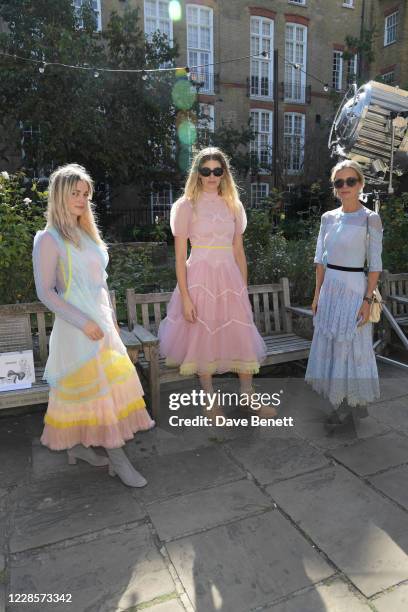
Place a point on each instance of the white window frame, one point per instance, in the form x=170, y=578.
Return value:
x=337, y=70
x=257, y=146
x=158, y=19
x=206, y=74
x=157, y=206
x=390, y=29
x=294, y=143
x=256, y=193
x=301, y=2
x=295, y=78
x=348, y=3
x=352, y=65
x=261, y=42
x=391, y=77
x=77, y=5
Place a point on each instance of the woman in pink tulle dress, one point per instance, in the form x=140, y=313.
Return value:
x=209, y=326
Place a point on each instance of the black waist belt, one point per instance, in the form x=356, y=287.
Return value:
x=345, y=269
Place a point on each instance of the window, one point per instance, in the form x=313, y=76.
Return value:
x=200, y=45
x=294, y=139
x=390, y=29
x=348, y=3
x=157, y=18
x=295, y=65
x=352, y=64
x=30, y=136
x=160, y=204
x=337, y=74
x=96, y=6
x=261, y=146
x=297, y=1
x=259, y=191
x=206, y=124
x=388, y=77
x=261, y=66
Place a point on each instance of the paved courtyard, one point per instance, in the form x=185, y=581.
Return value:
x=233, y=519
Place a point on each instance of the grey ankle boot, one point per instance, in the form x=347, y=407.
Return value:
x=120, y=465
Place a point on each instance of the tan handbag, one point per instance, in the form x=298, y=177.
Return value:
x=375, y=307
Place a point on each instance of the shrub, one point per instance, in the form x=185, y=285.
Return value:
x=22, y=210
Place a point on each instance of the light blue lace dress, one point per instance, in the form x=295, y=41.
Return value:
x=342, y=363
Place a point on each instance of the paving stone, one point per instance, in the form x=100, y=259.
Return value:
x=204, y=509
x=173, y=605
x=393, y=382
x=15, y=454
x=365, y=535
x=395, y=600
x=2, y=562
x=375, y=454
x=180, y=473
x=114, y=572
x=276, y=459
x=333, y=597
x=46, y=462
x=392, y=413
x=3, y=519
x=246, y=564
x=69, y=505
x=2, y=598
x=394, y=484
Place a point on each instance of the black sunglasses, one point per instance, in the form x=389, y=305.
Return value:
x=350, y=181
x=204, y=171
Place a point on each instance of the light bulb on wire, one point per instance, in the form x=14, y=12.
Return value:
x=326, y=87
x=96, y=74
x=41, y=68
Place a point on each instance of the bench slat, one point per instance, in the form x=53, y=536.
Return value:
x=276, y=312
x=257, y=314
x=267, y=314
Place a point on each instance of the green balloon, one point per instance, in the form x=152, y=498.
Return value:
x=183, y=94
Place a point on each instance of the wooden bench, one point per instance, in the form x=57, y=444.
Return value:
x=395, y=292
x=272, y=315
x=22, y=327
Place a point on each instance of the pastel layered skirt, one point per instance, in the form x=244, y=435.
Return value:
x=224, y=337
x=342, y=364
x=99, y=400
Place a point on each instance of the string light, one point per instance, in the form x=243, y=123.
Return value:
x=185, y=70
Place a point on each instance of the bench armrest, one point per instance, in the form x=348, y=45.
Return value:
x=129, y=339
x=301, y=311
x=400, y=299
x=144, y=335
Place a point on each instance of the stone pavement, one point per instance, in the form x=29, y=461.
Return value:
x=233, y=519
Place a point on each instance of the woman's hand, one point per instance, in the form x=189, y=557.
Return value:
x=93, y=331
x=314, y=304
x=363, y=313
x=189, y=310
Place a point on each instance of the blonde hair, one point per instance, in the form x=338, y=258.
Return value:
x=347, y=163
x=62, y=181
x=227, y=188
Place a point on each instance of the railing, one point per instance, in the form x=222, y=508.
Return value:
x=205, y=82
x=297, y=93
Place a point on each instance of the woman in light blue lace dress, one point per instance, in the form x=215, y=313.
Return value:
x=342, y=365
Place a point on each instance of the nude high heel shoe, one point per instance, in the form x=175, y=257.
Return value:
x=120, y=465
x=86, y=454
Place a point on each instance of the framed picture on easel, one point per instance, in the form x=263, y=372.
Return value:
x=16, y=370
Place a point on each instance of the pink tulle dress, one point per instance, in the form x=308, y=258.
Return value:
x=224, y=337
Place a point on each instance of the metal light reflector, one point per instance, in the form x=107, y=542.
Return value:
x=364, y=125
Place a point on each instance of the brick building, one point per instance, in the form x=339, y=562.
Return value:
x=309, y=36
x=291, y=111
x=390, y=18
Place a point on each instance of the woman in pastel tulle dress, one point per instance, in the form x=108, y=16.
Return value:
x=342, y=364
x=95, y=394
x=209, y=326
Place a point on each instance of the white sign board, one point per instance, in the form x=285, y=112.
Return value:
x=16, y=370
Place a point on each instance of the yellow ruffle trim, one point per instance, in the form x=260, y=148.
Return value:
x=93, y=421
x=88, y=382
x=235, y=365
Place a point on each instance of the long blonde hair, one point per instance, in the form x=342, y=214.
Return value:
x=227, y=188
x=62, y=181
x=347, y=163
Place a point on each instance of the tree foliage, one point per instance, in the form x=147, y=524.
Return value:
x=120, y=126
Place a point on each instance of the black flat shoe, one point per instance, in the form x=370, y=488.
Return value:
x=336, y=425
